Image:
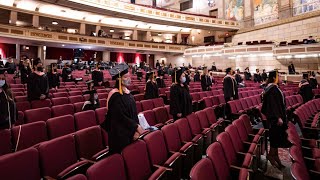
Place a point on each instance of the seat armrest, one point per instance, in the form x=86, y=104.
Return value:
x=174, y=158
x=100, y=155
x=77, y=168
x=48, y=178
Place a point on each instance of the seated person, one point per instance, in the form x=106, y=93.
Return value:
x=160, y=81
x=311, y=40
x=257, y=76
x=54, y=78
x=11, y=66
x=66, y=73
x=313, y=81
x=97, y=75
x=247, y=74
x=93, y=102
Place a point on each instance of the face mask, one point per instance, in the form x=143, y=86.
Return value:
x=96, y=96
x=126, y=82
x=40, y=69
x=2, y=83
x=183, y=79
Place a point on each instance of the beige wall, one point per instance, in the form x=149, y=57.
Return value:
x=298, y=30
x=173, y=59
x=220, y=62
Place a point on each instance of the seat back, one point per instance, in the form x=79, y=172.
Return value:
x=60, y=94
x=28, y=135
x=5, y=141
x=202, y=116
x=40, y=103
x=184, y=129
x=194, y=124
x=138, y=106
x=158, y=102
x=20, y=165
x=89, y=142
x=227, y=146
x=60, y=126
x=241, y=129
x=219, y=161
x=75, y=93
x=172, y=138
x=211, y=116
x=147, y=104
x=75, y=99
x=299, y=171
x=136, y=160
x=161, y=114
x=156, y=147
x=150, y=117
x=78, y=106
x=203, y=170
x=85, y=119
x=62, y=110
x=23, y=106
x=235, y=137
x=111, y=167
x=59, y=101
x=40, y=114
x=100, y=114
x=64, y=147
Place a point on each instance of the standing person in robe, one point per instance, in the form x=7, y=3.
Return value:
x=157, y=64
x=264, y=75
x=205, y=80
x=160, y=81
x=38, y=85
x=66, y=73
x=8, y=109
x=25, y=71
x=313, y=81
x=305, y=88
x=274, y=109
x=238, y=77
x=247, y=74
x=197, y=76
x=151, y=90
x=93, y=102
x=291, y=68
x=97, y=75
x=11, y=66
x=53, y=78
x=230, y=89
x=121, y=119
x=257, y=77
x=180, y=99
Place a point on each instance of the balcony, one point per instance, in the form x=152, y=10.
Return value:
x=31, y=34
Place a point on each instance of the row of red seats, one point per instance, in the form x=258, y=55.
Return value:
x=245, y=105
x=304, y=117
x=47, y=127
x=305, y=156
x=231, y=157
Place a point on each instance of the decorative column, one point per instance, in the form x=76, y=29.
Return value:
x=35, y=21
x=135, y=35
x=248, y=19
x=18, y=52
x=82, y=29
x=13, y=17
x=42, y=53
x=148, y=38
x=285, y=9
x=97, y=29
x=105, y=56
x=179, y=39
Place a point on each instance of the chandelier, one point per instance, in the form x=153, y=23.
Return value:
x=211, y=3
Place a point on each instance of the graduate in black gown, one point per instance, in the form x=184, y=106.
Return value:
x=53, y=78
x=305, y=89
x=121, y=119
x=25, y=70
x=11, y=66
x=247, y=74
x=313, y=81
x=160, y=81
x=257, y=76
x=180, y=99
x=205, y=80
x=93, y=102
x=151, y=90
x=274, y=109
x=264, y=75
x=66, y=73
x=238, y=77
x=97, y=75
x=38, y=84
x=7, y=116
x=230, y=90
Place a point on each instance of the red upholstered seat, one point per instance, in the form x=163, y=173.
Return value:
x=60, y=94
x=59, y=101
x=203, y=170
x=23, y=106
x=40, y=114
x=158, y=102
x=85, y=119
x=75, y=93
x=139, y=107
x=40, y=103
x=20, y=165
x=75, y=99
x=78, y=106
x=5, y=141
x=29, y=134
x=100, y=114
x=147, y=104
x=162, y=115
x=60, y=126
x=111, y=167
x=78, y=177
x=62, y=110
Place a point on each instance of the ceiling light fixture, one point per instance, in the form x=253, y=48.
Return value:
x=55, y=23
x=111, y=30
x=63, y=45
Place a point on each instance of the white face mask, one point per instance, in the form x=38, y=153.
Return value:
x=126, y=82
x=2, y=83
x=96, y=96
x=183, y=80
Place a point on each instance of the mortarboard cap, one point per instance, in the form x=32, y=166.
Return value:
x=118, y=71
x=228, y=70
x=148, y=74
x=273, y=73
x=176, y=76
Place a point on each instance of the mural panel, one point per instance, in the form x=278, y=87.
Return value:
x=144, y=2
x=234, y=9
x=163, y=3
x=265, y=11
x=304, y=6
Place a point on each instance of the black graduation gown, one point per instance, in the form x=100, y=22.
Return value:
x=89, y=106
x=264, y=76
x=65, y=74
x=37, y=85
x=121, y=121
x=291, y=69
x=196, y=77
x=306, y=92
x=238, y=78
x=205, y=83
x=273, y=107
x=313, y=83
x=230, y=88
x=4, y=113
x=257, y=77
x=247, y=76
x=25, y=72
x=11, y=66
x=180, y=101
x=151, y=90
x=160, y=83
x=97, y=76
x=54, y=80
